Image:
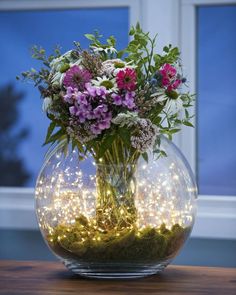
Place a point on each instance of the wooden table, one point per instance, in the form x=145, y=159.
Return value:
x=39, y=278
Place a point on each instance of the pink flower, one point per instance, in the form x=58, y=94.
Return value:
x=76, y=77
x=176, y=84
x=169, y=77
x=126, y=79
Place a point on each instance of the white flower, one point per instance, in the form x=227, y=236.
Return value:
x=110, y=84
x=77, y=63
x=57, y=62
x=110, y=50
x=47, y=103
x=174, y=106
x=127, y=65
x=129, y=119
x=57, y=78
x=145, y=136
x=159, y=96
x=54, y=64
x=106, y=50
x=97, y=49
x=113, y=66
x=67, y=54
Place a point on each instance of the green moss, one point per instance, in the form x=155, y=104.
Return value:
x=85, y=241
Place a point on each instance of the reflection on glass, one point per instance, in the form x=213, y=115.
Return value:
x=21, y=152
x=216, y=100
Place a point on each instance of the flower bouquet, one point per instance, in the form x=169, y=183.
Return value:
x=115, y=108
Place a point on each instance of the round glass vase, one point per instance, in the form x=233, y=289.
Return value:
x=108, y=219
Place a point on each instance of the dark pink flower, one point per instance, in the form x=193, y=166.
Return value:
x=126, y=79
x=176, y=84
x=170, y=78
x=76, y=77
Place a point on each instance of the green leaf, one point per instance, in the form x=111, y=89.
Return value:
x=166, y=49
x=163, y=153
x=120, y=53
x=106, y=144
x=132, y=31
x=187, y=123
x=56, y=136
x=172, y=131
x=90, y=37
x=51, y=127
x=145, y=157
x=160, y=153
x=186, y=114
x=111, y=41
x=138, y=27
x=125, y=136
x=74, y=144
x=80, y=146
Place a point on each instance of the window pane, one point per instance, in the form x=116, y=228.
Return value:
x=216, y=100
x=22, y=124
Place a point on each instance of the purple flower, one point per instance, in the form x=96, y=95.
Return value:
x=81, y=98
x=95, y=129
x=70, y=94
x=102, y=124
x=90, y=115
x=94, y=91
x=105, y=123
x=117, y=99
x=82, y=116
x=76, y=77
x=129, y=100
x=100, y=110
x=85, y=107
x=91, y=90
x=101, y=91
x=73, y=110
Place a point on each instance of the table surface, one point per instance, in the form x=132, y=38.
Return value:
x=39, y=278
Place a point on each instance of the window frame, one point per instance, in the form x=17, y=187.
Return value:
x=219, y=216
x=216, y=217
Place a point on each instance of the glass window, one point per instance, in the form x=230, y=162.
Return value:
x=216, y=101
x=23, y=125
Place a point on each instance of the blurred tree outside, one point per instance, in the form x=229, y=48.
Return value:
x=12, y=168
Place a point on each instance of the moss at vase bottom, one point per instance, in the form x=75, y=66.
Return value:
x=86, y=242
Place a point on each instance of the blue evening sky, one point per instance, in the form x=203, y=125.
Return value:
x=217, y=100
x=20, y=30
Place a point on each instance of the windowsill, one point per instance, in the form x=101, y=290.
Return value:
x=216, y=215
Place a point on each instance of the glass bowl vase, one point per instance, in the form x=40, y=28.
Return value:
x=110, y=219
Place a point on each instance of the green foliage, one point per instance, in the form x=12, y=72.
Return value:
x=105, y=144
x=87, y=242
